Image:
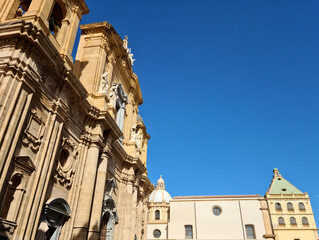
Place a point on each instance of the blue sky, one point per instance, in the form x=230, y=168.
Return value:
x=230, y=90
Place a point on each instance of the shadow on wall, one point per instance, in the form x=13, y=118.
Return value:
x=53, y=234
x=4, y=235
x=49, y=233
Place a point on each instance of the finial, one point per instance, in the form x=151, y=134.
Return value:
x=160, y=183
x=276, y=172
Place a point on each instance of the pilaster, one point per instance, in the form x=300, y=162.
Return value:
x=96, y=214
x=82, y=219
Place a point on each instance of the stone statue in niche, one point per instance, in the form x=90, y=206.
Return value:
x=120, y=104
x=118, y=100
x=133, y=132
x=138, y=139
x=67, y=162
x=136, y=136
x=104, y=83
x=113, y=95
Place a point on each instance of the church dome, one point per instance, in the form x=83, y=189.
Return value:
x=160, y=194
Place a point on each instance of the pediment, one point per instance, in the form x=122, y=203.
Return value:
x=25, y=164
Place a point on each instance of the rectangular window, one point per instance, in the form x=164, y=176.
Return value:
x=250, y=231
x=188, y=231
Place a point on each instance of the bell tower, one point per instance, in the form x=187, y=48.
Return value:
x=58, y=19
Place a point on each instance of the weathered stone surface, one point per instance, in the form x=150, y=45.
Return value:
x=62, y=142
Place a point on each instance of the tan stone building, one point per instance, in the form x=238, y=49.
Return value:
x=207, y=217
x=290, y=210
x=72, y=143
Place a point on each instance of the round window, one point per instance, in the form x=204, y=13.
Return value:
x=157, y=233
x=217, y=210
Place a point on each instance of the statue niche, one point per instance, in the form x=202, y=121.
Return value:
x=109, y=212
x=104, y=83
x=118, y=100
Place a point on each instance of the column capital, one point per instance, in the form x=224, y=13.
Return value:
x=107, y=151
x=97, y=141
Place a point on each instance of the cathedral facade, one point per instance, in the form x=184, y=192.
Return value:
x=73, y=146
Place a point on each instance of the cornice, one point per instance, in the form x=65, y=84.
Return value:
x=108, y=121
x=99, y=27
x=34, y=43
x=287, y=198
x=116, y=49
x=119, y=150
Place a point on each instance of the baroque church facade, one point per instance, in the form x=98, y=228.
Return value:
x=284, y=213
x=73, y=146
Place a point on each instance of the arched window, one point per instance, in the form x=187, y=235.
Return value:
x=12, y=198
x=293, y=221
x=23, y=7
x=305, y=221
x=278, y=206
x=157, y=215
x=301, y=206
x=55, y=21
x=290, y=207
x=281, y=221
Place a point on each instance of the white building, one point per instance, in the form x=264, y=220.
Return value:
x=207, y=217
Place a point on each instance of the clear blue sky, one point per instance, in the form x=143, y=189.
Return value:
x=230, y=90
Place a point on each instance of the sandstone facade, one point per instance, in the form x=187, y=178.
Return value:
x=73, y=146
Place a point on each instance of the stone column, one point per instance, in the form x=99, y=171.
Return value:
x=87, y=191
x=8, y=9
x=95, y=220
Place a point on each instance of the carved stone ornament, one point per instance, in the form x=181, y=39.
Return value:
x=128, y=50
x=137, y=136
x=113, y=95
x=67, y=162
x=33, y=133
x=133, y=132
x=117, y=94
x=104, y=83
